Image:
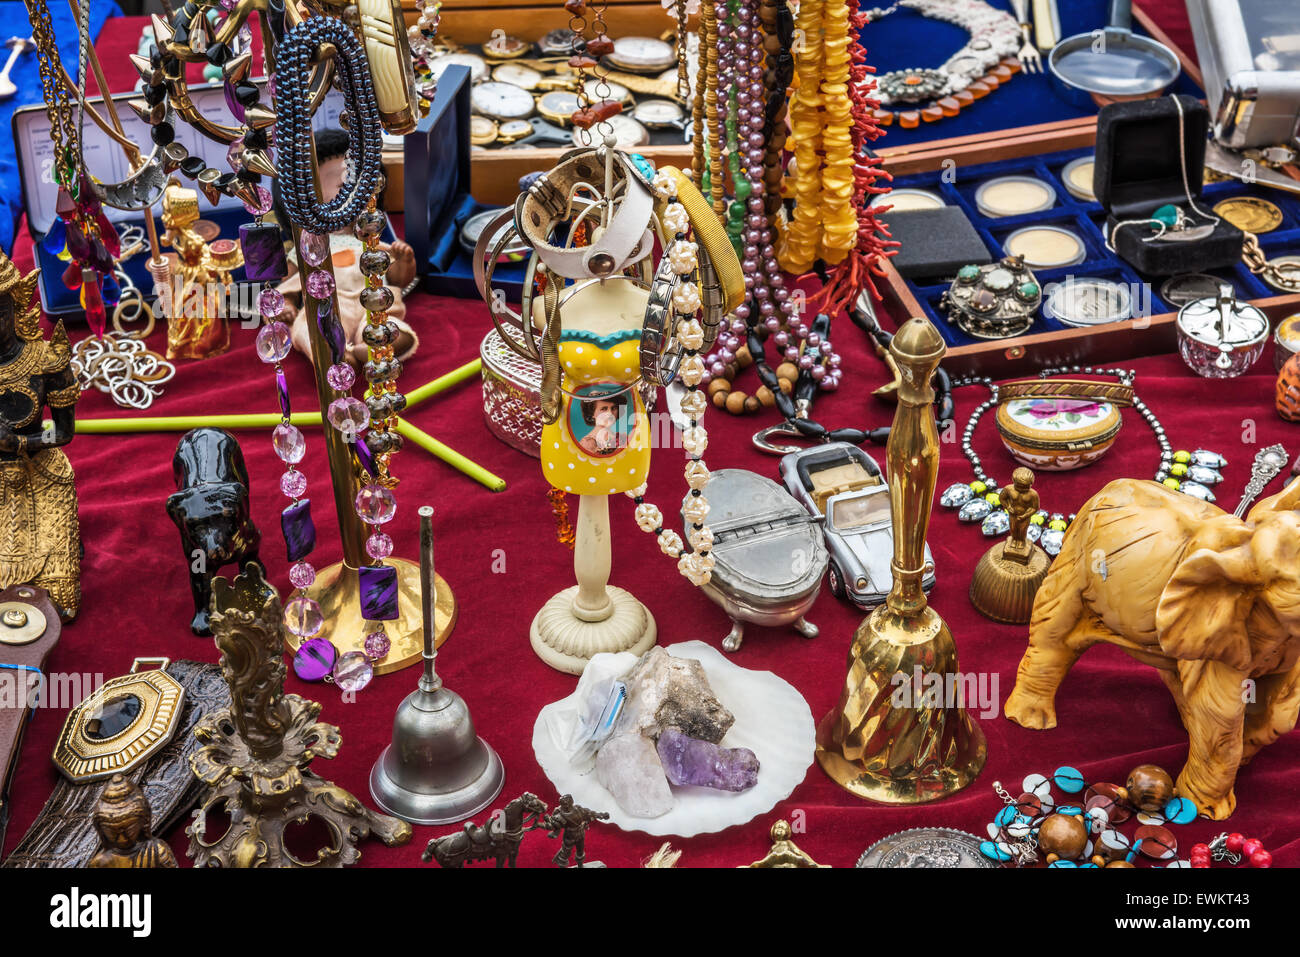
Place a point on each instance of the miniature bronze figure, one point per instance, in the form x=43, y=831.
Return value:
x=196, y=320
x=256, y=755
x=124, y=821
x=211, y=510
x=40, y=542
x=1009, y=574
x=784, y=852
x=499, y=839
x=569, y=822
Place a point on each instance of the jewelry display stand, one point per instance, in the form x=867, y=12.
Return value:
x=592, y=616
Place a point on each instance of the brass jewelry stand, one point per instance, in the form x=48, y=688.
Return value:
x=337, y=587
x=877, y=743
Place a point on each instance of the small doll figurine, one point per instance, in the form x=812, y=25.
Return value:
x=1021, y=502
x=123, y=819
x=345, y=248
x=569, y=822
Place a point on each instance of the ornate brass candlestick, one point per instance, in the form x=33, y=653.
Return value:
x=887, y=741
x=255, y=755
x=1007, y=577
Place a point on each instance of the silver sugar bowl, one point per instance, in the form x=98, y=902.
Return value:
x=1220, y=337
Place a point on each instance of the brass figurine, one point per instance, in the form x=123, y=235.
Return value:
x=1007, y=577
x=40, y=542
x=884, y=741
x=497, y=840
x=784, y=852
x=1210, y=600
x=256, y=755
x=196, y=319
x=569, y=822
x=124, y=821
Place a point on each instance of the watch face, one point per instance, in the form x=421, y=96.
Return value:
x=504, y=46
x=501, y=101
x=558, y=104
x=524, y=77
x=657, y=113
x=627, y=132
x=513, y=130
x=123, y=723
x=606, y=90
x=557, y=42
x=482, y=131
x=478, y=68
x=642, y=53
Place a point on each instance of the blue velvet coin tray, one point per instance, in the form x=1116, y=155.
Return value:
x=436, y=195
x=905, y=40
x=1087, y=220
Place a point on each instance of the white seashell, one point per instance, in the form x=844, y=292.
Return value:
x=686, y=298
x=648, y=517
x=772, y=719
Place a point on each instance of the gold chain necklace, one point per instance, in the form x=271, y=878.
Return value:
x=64, y=131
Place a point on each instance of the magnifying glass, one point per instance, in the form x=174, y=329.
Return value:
x=1113, y=64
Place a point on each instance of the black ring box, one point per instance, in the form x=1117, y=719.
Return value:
x=1139, y=169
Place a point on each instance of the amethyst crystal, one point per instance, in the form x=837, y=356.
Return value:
x=689, y=760
x=378, y=592
x=264, y=258
x=299, y=530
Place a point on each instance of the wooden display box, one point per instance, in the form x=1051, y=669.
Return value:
x=496, y=173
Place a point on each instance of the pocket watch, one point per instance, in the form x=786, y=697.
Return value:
x=501, y=101
x=482, y=131
x=511, y=131
x=478, y=68
x=628, y=133
x=659, y=114
x=557, y=42
x=994, y=301
x=473, y=229
x=641, y=55
x=524, y=77
x=503, y=47
x=558, y=106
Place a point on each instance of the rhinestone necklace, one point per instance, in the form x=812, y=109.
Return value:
x=1191, y=473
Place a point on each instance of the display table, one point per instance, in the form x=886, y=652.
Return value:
x=500, y=555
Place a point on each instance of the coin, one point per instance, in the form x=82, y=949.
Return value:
x=1289, y=267
x=1046, y=247
x=1088, y=302
x=207, y=229
x=943, y=847
x=1180, y=290
x=1250, y=214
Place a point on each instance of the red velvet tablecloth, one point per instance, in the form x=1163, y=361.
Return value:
x=500, y=555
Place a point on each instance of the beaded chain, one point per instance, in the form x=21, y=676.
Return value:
x=978, y=500
x=586, y=53
x=696, y=566
x=294, y=133
x=420, y=35
x=1083, y=832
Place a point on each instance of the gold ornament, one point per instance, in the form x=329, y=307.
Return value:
x=1007, y=577
x=40, y=541
x=785, y=852
x=256, y=755
x=123, y=819
x=873, y=745
x=196, y=319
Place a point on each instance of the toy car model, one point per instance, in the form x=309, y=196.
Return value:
x=844, y=486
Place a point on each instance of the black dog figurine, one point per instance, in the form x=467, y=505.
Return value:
x=211, y=510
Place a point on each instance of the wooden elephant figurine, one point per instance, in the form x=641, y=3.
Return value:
x=1210, y=600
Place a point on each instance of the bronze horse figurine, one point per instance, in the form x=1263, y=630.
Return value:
x=499, y=838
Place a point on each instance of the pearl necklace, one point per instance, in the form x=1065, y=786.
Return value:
x=1191, y=473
